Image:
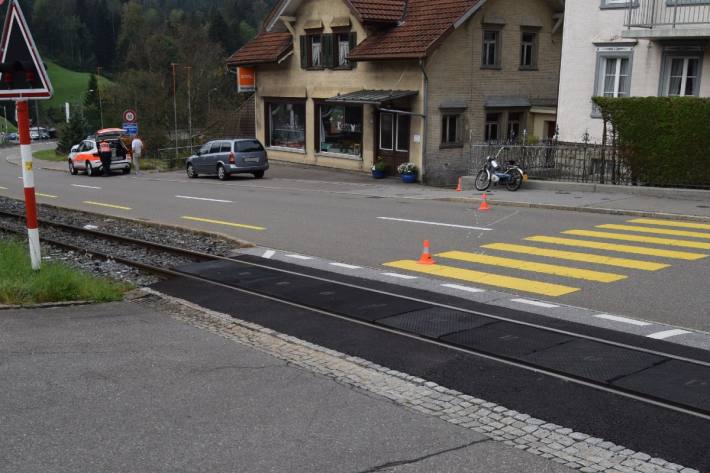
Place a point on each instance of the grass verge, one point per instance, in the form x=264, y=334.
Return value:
x=55, y=282
x=49, y=155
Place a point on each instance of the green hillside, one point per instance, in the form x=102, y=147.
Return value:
x=69, y=86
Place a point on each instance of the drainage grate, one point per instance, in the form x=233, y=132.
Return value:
x=436, y=321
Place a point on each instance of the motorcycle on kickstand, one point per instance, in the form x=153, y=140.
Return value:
x=510, y=175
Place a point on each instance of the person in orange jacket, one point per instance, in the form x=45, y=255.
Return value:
x=105, y=156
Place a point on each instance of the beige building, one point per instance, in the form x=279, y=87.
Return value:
x=345, y=83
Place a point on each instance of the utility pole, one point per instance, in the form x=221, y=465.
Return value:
x=189, y=103
x=174, y=65
x=98, y=90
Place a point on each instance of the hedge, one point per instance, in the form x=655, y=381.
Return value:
x=665, y=141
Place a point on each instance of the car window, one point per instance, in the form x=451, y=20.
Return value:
x=84, y=146
x=226, y=147
x=215, y=148
x=249, y=146
x=205, y=149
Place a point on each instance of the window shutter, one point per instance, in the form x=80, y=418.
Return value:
x=304, y=52
x=353, y=44
x=328, y=58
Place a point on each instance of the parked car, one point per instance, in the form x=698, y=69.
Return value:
x=12, y=138
x=229, y=156
x=85, y=155
x=39, y=133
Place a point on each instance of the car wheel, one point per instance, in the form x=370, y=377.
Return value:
x=89, y=169
x=259, y=174
x=222, y=173
x=72, y=169
x=191, y=172
x=126, y=170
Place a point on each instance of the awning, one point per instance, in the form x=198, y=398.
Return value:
x=507, y=101
x=372, y=97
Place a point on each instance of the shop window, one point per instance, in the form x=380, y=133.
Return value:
x=491, y=49
x=514, y=119
x=287, y=125
x=340, y=129
x=451, y=130
x=492, y=126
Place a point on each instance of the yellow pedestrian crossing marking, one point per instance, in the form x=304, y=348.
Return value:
x=637, y=250
x=507, y=282
x=639, y=239
x=671, y=223
x=228, y=224
x=531, y=266
x=655, y=231
x=575, y=256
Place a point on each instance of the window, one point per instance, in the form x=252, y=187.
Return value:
x=343, y=49
x=226, y=147
x=403, y=128
x=205, y=149
x=613, y=75
x=249, y=146
x=450, y=130
x=681, y=76
x=394, y=132
x=514, y=119
x=340, y=129
x=387, y=131
x=215, y=148
x=618, y=3
x=528, y=50
x=287, y=125
x=491, y=48
x=491, y=132
x=316, y=50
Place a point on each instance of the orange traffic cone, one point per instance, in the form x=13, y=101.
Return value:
x=459, y=189
x=484, y=207
x=426, y=258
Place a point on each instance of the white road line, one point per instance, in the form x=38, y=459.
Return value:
x=458, y=287
x=624, y=320
x=667, y=334
x=535, y=303
x=346, y=266
x=299, y=257
x=3, y=188
x=435, y=223
x=86, y=187
x=202, y=198
x=268, y=254
x=399, y=276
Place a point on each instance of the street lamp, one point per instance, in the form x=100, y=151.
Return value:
x=101, y=109
x=209, y=103
x=98, y=91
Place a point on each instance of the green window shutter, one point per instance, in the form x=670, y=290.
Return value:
x=304, y=52
x=327, y=50
x=353, y=44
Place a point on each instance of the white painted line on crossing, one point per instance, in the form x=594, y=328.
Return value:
x=3, y=188
x=535, y=303
x=346, y=266
x=668, y=333
x=439, y=224
x=203, y=198
x=268, y=254
x=458, y=287
x=399, y=276
x=86, y=187
x=299, y=257
x=624, y=320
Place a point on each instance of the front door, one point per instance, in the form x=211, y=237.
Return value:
x=392, y=140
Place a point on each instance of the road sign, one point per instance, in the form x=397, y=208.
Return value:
x=130, y=128
x=22, y=73
x=130, y=116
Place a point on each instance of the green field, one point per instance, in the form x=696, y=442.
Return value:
x=69, y=86
x=49, y=155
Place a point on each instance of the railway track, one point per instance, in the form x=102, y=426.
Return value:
x=276, y=282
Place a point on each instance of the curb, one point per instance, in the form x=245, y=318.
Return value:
x=47, y=305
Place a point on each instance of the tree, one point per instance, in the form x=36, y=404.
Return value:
x=218, y=31
x=72, y=133
x=92, y=104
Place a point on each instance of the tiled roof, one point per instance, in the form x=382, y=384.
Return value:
x=379, y=10
x=426, y=22
x=265, y=48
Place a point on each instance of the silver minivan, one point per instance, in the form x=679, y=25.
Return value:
x=229, y=156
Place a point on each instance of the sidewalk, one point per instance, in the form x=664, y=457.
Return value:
x=664, y=203
x=123, y=387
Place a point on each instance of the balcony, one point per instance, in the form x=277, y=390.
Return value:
x=667, y=19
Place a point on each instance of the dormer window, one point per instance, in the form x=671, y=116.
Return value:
x=327, y=50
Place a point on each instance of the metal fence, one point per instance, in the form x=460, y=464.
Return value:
x=669, y=13
x=576, y=162
x=168, y=159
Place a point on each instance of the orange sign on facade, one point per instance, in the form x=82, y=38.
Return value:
x=246, y=79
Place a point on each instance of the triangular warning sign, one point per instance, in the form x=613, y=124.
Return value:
x=22, y=73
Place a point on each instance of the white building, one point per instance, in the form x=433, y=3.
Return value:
x=620, y=48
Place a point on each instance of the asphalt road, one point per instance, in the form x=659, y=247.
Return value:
x=344, y=217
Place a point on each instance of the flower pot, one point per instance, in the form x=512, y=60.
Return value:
x=409, y=178
x=378, y=174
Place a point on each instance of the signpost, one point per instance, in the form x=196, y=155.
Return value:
x=22, y=77
x=130, y=129
x=246, y=79
x=130, y=116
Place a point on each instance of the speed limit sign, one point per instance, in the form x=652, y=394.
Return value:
x=130, y=116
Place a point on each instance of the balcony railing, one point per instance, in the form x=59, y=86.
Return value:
x=667, y=13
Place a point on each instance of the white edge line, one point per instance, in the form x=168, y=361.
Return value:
x=203, y=198
x=86, y=187
x=667, y=334
x=299, y=257
x=3, y=188
x=625, y=320
x=400, y=276
x=268, y=254
x=436, y=223
x=535, y=303
x=463, y=288
x=346, y=266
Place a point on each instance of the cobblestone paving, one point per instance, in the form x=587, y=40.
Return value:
x=554, y=442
